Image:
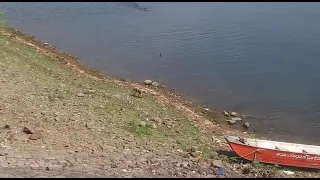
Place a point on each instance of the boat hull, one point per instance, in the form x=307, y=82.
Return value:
x=275, y=156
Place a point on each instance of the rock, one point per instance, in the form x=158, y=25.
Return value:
x=80, y=94
x=142, y=124
x=288, y=173
x=36, y=135
x=226, y=113
x=90, y=91
x=236, y=119
x=26, y=130
x=214, y=139
x=7, y=127
x=156, y=119
x=217, y=164
x=231, y=122
x=246, y=125
x=196, y=154
x=155, y=84
x=154, y=126
x=147, y=82
x=233, y=114
x=184, y=164
x=206, y=109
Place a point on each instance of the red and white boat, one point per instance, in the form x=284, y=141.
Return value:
x=274, y=152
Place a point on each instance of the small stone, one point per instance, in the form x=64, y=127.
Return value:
x=36, y=135
x=206, y=109
x=7, y=127
x=184, y=164
x=156, y=119
x=196, y=154
x=26, y=130
x=236, y=119
x=80, y=94
x=246, y=125
x=154, y=84
x=147, y=82
x=90, y=91
x=226, y=113
x=217, y=163
x=233, y=114
x=142, y=124
x=154, y=126
x=231, y=122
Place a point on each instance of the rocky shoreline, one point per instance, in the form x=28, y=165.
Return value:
x=134, y=129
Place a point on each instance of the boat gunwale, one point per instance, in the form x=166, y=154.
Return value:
x=277, y=150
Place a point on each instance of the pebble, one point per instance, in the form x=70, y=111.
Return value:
x=80, y=94
x=91, y=91
x=142, y=124
x=36, y=135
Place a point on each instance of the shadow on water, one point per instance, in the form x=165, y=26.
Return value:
x=236, y=159
x=135, y=5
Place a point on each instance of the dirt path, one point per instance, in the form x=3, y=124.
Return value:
x=88, y=125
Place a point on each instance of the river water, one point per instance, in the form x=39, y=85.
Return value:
x=258, y=58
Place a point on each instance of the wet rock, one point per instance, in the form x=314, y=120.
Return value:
x=26, y=130
x=231, y=122
x=217, y=164
x=246, y=125
x=155, y=84
x=80, y=94
x=234, y=114
x=226, y=113
x=147, y=82
x=7, y=127
x=142, y=124
x=236, y=119
x=36, y=135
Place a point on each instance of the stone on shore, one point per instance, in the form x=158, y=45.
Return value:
x=225, y=113
x=155, y=84
x=233, y=114
x=231, y=122
x=246, y=125
x=236, y=119
x=147, y=82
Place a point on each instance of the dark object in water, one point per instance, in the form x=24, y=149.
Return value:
x=160, y=54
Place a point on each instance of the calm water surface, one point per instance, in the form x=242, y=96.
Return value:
x=257, y=58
